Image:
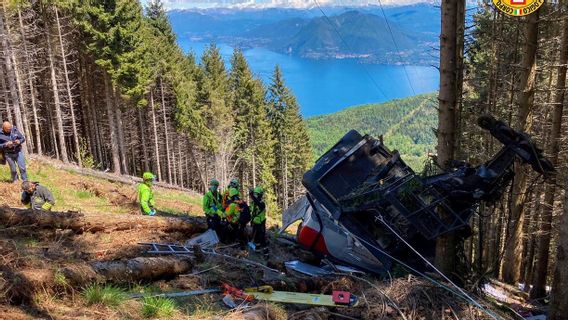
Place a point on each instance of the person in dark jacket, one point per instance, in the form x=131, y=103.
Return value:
x=11, y=144
x=36, y=196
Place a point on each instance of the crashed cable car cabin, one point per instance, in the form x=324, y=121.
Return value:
x=362, y=200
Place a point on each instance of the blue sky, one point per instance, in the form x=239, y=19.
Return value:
x=186, y=4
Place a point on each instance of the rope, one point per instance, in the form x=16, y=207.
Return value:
x=460, y=292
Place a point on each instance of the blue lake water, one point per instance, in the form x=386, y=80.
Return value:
x=326, y=86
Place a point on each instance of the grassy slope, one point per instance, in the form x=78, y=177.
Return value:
x=406, y=125
x=93, y=195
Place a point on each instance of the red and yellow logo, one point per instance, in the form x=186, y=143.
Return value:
x=518, y=8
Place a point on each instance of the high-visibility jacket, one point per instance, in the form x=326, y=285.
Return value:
x=146, y=198
x=228, y=195
x=40, y=199
x=258, y=212
x=212, y=203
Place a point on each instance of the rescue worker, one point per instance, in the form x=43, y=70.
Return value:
x=258, y=217
x=212, y=206
x=235, y=185
x=146, y=195
x=36, y=196
x=11, y=144
x=237, y=215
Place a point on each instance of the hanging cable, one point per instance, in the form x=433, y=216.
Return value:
x=460, y=292
x=396, y=47
x=349, y=48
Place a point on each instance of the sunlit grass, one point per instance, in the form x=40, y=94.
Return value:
x=107, y=295
x=158, y=307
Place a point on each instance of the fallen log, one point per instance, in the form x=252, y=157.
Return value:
x=22, y=285
x=133, y=270
x=85, y=222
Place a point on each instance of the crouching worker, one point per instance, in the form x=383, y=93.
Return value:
x=146, y=195
x=258, y=216
x=212, y=206
x=237, y=215
x=36, y=196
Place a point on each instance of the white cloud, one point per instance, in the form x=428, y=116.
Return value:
x=186, y=4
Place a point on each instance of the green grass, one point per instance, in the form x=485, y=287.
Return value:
x=157, y=307
x=84, y=194
x=107, y=295
x=67, y=197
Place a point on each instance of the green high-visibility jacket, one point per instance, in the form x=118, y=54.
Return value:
x=146, y=198
x=212, y=203
x=258, y=212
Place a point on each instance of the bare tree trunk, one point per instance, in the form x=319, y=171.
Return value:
x=450, y=52
x=11, y=73
x=539, y=284
x=514, y=248
x=6, y=88
x=156, y=145
x=559, y=302
x=120, y=132
x=142, y=129
x=168, y=159
x=68, y=87
x=57, y=101
x=115, y=153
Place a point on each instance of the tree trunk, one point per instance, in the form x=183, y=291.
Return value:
x=559, y=302
x=142, y=130
x=553, y=151
x=120, y=132
x=166, y=135
x=56, y=101
x=11, y=73
x=514, y=247
x=83, y=222
x=156, y=145
x=115, y=153
x=68, y=87
x=450, y=52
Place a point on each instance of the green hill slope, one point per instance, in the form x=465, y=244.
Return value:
x=406, y=125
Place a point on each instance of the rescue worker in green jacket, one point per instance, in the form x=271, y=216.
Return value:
x=36, y=196
x=258, y=217
x=146, y=195
x=237, y=215
x=212, y=206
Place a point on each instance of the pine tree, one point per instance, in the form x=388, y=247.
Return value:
x=292, y=149
x=253, y=137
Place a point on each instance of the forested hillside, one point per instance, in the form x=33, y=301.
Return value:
x=406, y=125
x=104, y=84
x=514, y=68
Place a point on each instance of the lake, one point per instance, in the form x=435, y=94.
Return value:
x=327, y=86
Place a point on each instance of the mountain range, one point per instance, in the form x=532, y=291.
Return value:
x=343, y=32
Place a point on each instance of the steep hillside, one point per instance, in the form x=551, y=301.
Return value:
x=406, y=125
x=75, y=192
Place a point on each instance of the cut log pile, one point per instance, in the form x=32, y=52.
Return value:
x=82, y=222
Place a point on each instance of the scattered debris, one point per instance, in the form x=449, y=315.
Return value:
x=206, y=240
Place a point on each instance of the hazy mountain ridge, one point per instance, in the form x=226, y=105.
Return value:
x=308, y=34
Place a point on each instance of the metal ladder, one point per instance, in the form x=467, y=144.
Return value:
x=160, y=248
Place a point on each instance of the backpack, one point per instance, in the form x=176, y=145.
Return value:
x=244, y=210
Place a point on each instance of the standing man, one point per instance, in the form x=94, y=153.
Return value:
x=258, y=215
x=11, y=144
x=212, y=206
x=36, y=196
x=146, y=195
